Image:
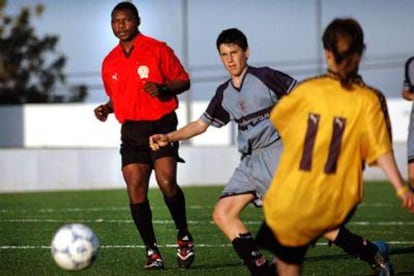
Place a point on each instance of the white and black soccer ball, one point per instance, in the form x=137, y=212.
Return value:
x=74, y=247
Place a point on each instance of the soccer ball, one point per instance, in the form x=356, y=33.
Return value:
x=74, y=247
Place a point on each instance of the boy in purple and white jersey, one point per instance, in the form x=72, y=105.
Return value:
x=247, y=99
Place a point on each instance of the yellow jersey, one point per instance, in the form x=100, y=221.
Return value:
x=328, y=134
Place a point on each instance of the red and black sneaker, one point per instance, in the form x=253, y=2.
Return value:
x=185, y=251
x=154, y=260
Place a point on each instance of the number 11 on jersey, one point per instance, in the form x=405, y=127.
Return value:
x=338, y=127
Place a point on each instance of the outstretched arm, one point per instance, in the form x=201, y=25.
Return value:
x=389, y=166
x=190, y=130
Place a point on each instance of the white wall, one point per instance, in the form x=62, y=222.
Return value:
x=100, y=168
x=74, y=125
x=63, y=169
x=66, y=169
x=65, y=147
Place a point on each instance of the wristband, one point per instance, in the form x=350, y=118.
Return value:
x=402, y=190
x=164, y=89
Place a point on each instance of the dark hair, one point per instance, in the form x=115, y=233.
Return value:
x=232, y=35
x=126, y=6
x=349, y=32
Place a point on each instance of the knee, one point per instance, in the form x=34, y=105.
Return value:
x=218, y=216
x=137, y=189
x=168, y=190
x=135, y=185
x=168, y=187
x=136, y=193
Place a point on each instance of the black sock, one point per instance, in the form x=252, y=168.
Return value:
x=356, y=245
x=245, y=246
x=142, y=216
x=176, y=205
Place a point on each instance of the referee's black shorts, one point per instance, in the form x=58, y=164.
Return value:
x=135, y=140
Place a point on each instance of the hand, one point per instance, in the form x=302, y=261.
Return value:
x=155, y=89
x=158, y=140
x=101, y=112
x=407, y=198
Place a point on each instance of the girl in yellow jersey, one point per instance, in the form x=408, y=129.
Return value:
x=330, y=127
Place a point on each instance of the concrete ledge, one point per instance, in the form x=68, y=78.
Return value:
x=99, y=168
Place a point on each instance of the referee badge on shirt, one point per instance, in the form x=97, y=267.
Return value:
x=143, y=71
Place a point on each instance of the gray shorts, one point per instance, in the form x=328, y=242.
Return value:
x=254, y=173
x=410, y=138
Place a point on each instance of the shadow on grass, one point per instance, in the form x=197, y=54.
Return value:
x=393, y=251
x=202, y=270
x=399, y=251
x=218, y=266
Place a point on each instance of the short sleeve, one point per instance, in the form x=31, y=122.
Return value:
x=377, y=136
x=215, y=114
x=171, y=65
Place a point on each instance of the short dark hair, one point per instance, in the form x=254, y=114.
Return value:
x=232, y=35
x=126, y=6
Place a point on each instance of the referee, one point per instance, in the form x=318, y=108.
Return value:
x=142, y=78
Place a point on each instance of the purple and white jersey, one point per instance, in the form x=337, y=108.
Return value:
x=250, y=106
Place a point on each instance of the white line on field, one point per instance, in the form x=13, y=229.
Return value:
x=22, y=247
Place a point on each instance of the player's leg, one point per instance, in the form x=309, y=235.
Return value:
x=136, y=170
x=226, y=216
x=287, y=269
x=361, y=248
x=174, y=198
x=411, y=173
x=374, y=253
x=137, y=179
x=165, y=167
x=289, y=259
x=165, y=173
x=410, y=149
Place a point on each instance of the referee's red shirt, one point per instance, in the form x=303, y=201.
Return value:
x=123, y=78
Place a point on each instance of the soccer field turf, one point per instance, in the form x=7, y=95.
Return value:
x=29, y=220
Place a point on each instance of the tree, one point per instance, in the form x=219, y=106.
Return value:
x=30, y=67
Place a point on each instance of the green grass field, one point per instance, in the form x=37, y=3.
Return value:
x=29, y=220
